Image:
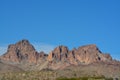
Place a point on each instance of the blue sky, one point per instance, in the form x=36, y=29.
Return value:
x=49, y=23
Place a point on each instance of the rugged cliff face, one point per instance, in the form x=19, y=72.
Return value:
x=22, y=51
x=60, y=54
x=83, y=55
x=60, y=57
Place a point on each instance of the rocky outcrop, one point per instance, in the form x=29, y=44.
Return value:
x=60, y=53
x=83, y=55
x=22, y=51
x=42, y=55
x=60, y=57
x=87, y=59
x=90, y=53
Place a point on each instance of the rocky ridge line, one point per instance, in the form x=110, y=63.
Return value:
x=24, y=52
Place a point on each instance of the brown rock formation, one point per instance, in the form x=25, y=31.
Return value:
x=87, y=59
x=59, y=58
x=42, y=55
x=83, y=55
x=22, y=51
x=60, y=54
x=90, y=53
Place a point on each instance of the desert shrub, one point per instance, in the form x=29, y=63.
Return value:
x=86, y=78
x=67, y=79
x=108, y=78
x=82, y=78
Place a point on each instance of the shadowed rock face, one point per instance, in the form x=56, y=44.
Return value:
x=22, y=51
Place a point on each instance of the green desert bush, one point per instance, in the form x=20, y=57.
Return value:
x=86, y=78
x=67, y=79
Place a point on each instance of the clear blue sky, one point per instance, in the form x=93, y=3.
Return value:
x=62, y=22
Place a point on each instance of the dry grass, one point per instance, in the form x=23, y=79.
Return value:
x=45, y=75
x=32, y=75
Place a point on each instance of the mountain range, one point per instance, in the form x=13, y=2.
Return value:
x=87, y=59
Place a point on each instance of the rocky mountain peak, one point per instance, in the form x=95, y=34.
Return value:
x=22, y=51
x=61, y=49
x=83, y=55
x=59, y=53
x=90, y=48
x=85, y=58
x=24, y=42
x=24, y=45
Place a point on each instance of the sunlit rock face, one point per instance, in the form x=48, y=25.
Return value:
x=85, y=54
x=59, y=53
x=59, y=58
x=22, y=51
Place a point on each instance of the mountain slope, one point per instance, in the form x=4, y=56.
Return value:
x=8, y=68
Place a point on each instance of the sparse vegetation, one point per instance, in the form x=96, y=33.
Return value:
x=32, y=75
x=86, y=78
x=44, y=75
